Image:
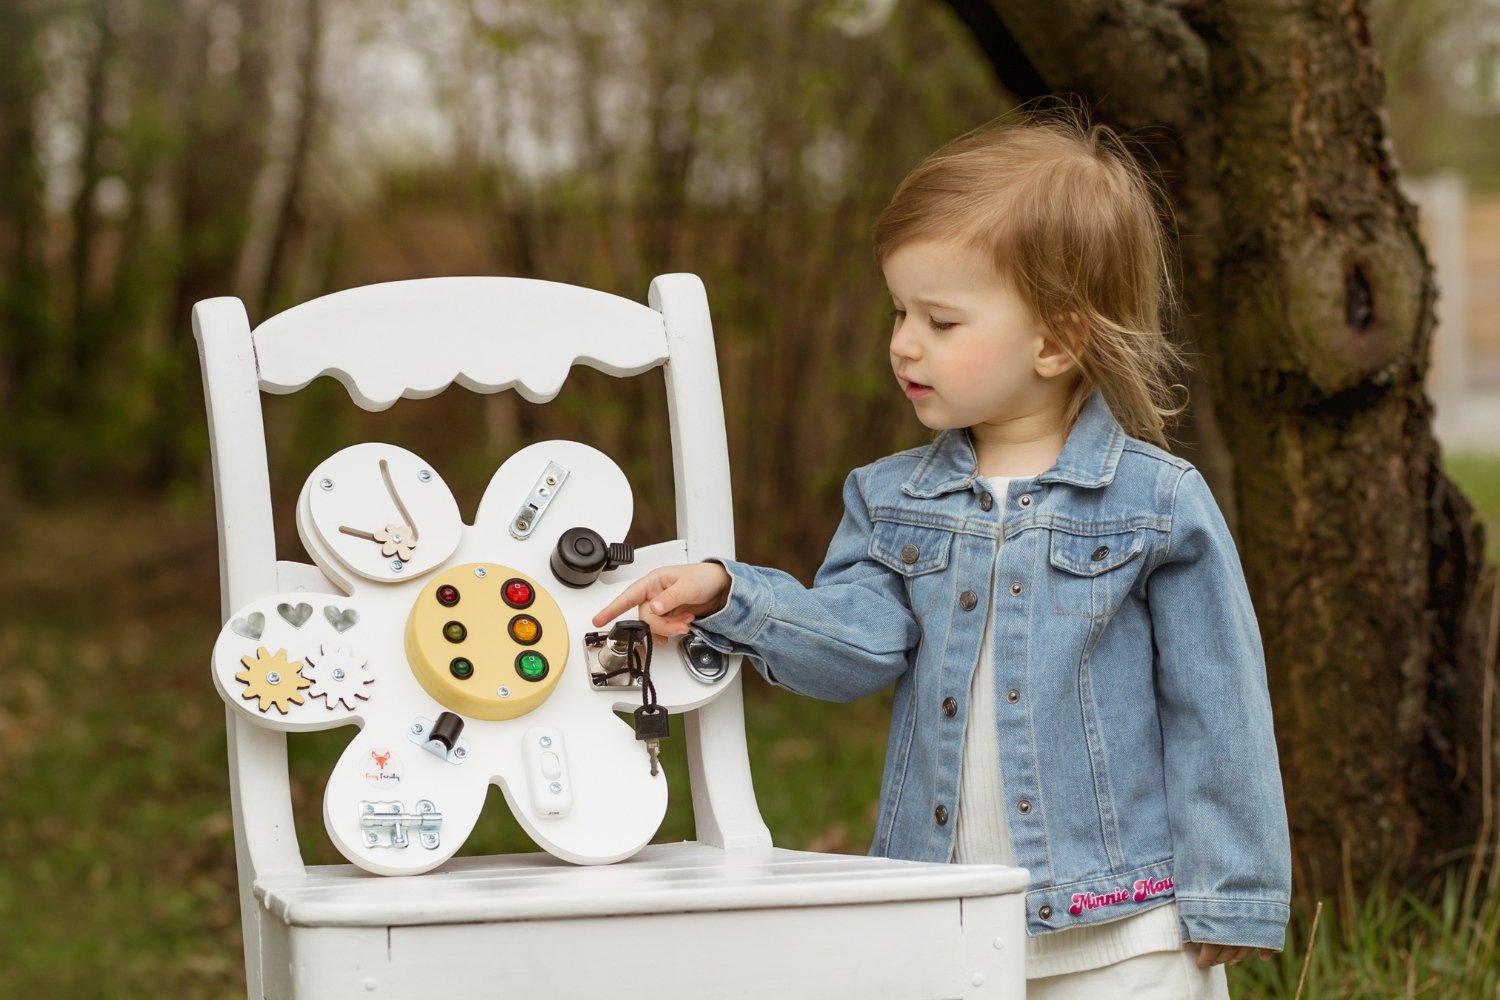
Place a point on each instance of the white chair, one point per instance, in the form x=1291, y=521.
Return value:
x=725, y=916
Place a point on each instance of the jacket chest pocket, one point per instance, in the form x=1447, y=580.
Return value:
x=1092, y=574
x=919, y=554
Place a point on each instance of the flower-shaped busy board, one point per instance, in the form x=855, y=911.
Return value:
x=465, y=657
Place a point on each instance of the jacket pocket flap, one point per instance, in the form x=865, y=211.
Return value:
x=1090, y=555
x=910, y=549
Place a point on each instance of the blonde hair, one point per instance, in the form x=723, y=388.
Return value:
x=1068, y=216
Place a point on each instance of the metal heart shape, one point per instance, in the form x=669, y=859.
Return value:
x=296, y=616
x=342, y=621
x=251, y=626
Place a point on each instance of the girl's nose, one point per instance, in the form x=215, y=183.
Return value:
x=903, y=344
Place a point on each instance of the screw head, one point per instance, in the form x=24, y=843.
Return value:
x=397, y=565
x=460, y=752
x=338, y=673
x=551, y=480
x=371, y=839
x=273, y=678
x=481, y=572
x=326, y=484
x=425, y=475
x=523, y=524
x=503, y=691
x=367, y=808
x=545, y=741
x=416, y=727
x=555, y=788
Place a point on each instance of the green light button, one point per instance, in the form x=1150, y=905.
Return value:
x=461, y=668
x=531, y=665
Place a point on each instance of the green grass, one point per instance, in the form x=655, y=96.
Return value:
x=1478, y=476
x=1435, y=940
x=118, y=870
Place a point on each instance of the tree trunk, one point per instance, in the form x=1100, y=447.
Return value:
x=24, y=320
x=223, y=148
x=1312, y=304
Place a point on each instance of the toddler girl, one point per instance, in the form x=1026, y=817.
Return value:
x=1080, y=687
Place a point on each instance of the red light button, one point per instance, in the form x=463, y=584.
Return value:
x=518, y=593
x=447, y=595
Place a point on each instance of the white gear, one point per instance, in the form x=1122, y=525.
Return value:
x=339, y=676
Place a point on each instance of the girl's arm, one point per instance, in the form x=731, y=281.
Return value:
x=848, y=635
x=1232, y=854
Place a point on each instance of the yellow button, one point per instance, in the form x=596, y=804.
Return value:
x=524, y=629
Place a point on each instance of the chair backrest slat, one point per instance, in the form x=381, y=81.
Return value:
x=413, y=339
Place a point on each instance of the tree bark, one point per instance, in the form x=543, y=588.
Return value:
x=1312, y=306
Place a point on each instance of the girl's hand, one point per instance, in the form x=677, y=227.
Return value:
x=670, y=598
x=1226, y=954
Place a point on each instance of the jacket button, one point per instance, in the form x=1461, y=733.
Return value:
x=967, y=600
x=1045, y=913
x=986, y=501
x=909, y=553
x=1015, y=589
x=941, y=815
x=950, y=707
x=1100, y=552
x=1025, y=500
x=1012, y=696
x=1024, y=806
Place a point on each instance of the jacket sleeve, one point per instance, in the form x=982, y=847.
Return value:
x=849, y=635
x=1232, y=854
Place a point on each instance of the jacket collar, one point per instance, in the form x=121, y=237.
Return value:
x=1089, y=456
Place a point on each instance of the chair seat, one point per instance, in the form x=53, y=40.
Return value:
x=676, y=920
x=662, y=878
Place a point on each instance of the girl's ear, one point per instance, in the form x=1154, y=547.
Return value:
x=1058, y=349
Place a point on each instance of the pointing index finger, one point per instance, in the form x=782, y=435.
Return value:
x=627, y=598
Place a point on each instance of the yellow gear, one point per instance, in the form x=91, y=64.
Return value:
x=284, y=691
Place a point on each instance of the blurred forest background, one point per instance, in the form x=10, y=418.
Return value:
x=157, y=152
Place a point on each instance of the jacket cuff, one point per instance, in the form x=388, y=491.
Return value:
x=1247, y=923
x=745, y=609
x=733, y=628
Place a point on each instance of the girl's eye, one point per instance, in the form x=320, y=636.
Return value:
x=939, y=325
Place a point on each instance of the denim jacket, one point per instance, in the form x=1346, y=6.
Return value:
x=1132, y=714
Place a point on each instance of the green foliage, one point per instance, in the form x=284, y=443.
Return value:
x=1441, y=65
x=750, y=143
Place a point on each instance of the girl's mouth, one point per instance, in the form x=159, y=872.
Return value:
x=915, y=390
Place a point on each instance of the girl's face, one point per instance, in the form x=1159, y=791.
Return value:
x=965, y=348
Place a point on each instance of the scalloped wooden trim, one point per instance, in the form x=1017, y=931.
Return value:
x=464, y=330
